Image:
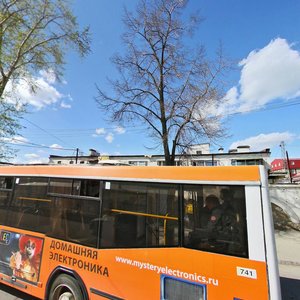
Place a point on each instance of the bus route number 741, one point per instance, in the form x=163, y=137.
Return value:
x=246, y=272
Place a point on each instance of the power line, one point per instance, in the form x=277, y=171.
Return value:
x=69, y=132
x=34, y=145
x=262, y=108
x=37, y=126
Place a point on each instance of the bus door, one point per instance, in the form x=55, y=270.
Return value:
x=27, y=211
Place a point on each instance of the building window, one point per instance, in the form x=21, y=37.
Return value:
x=138, y=163
x=206, y=163
x=247, y=162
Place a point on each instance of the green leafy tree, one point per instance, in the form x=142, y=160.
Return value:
x=34, y=35
x=164, y=84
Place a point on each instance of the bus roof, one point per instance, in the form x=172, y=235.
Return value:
x=159, y=173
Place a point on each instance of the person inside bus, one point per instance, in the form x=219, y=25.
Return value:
x=209, y=236
x=231, y=229
x=221, y=231
x=226, y=198
x=210, y=214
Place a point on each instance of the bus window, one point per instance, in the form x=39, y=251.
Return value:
x=215, y=219
x=6, y=184
x=76, y=187
x=30, y=207
x=75, y=220
x=139, y=215
x=60, y=186
x=86, y=187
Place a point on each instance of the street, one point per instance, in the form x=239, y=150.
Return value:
x=7, y=293
x=289, y=290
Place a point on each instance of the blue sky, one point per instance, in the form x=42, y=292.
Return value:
x=262, y=37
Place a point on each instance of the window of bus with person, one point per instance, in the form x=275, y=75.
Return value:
x=215, y=219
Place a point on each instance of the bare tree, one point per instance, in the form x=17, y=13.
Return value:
x=172, y=89
x=34, y=35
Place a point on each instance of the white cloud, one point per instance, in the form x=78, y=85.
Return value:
x=263, y=141
x=16, y=140
x=65, y=105
x=56, y=147
x=119, y=130
x=43, y=95
x=109, y=138
x=231, y=101
x=38, y=160
x=99, y=132
x=48, y=75
x=32, y=156
x=37, y=91
x=270, y=73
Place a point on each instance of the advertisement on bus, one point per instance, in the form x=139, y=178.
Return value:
x=20, y=256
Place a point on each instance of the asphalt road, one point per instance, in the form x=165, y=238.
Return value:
x=290, y=289
x=7, y=293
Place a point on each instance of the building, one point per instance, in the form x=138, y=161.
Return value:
x=288, y=170
x=92, y=159
x=281, y=165
x=196, y=155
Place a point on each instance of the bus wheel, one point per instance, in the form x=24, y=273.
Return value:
x=65, y=287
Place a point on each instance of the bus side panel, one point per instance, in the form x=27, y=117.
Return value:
x=141, y=273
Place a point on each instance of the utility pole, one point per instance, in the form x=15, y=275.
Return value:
x=283, y=155
x=77, y=151
x=289, y=167
x=286, y=161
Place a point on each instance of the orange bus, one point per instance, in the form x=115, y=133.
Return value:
x=90, y=232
